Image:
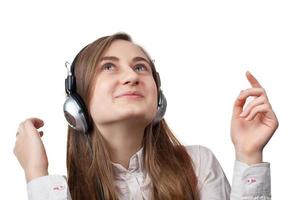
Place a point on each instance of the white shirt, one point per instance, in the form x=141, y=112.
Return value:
x=250, y=182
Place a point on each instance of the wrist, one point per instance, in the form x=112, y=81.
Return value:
x=249, y=159
x=32, y=174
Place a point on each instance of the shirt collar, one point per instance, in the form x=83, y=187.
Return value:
x=135, y=164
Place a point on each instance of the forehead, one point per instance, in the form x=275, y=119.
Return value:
x=123, y=48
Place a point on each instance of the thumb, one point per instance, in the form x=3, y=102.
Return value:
x=238, y=106
x=37, y=123
x=32, y=124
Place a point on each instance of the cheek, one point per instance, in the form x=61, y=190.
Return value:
x=101, y=100
x=153, y=91
x=153, y=103
x=153, y=96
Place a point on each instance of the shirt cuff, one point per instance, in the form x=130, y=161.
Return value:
x=251, y=181
x=53, y=187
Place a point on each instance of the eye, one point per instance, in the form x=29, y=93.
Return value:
x=106, y=66
x=141, y=65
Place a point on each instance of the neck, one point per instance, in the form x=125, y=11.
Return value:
x=123, y=140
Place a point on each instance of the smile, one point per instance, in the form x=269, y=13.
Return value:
x=135, y=96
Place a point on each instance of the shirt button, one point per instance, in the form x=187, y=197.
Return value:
x=250, y=181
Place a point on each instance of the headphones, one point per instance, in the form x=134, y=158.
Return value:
x=75, y=110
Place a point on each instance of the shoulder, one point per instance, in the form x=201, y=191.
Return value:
x=197, y=152
x=197, y=149
x=203, y=159
x=212, y=181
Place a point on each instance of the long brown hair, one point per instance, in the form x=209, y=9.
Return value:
x=88, y=162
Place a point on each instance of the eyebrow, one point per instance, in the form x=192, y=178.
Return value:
x=135, y=59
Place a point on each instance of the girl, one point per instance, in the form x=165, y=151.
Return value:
x=122, y=148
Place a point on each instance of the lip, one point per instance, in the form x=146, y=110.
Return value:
x=130, y=94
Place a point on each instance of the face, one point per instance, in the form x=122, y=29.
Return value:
x=122, y=68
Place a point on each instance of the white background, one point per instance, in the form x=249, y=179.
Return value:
x=202, y=50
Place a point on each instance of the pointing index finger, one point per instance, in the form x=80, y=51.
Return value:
x=253, y=81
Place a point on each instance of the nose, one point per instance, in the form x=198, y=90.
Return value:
x=130, y=76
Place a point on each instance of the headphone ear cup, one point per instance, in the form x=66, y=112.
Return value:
x=76, y=113
x=161, y=109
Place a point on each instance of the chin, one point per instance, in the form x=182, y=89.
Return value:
x=141, y=114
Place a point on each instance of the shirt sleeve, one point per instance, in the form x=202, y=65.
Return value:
x=251, y=182
x=51, y=187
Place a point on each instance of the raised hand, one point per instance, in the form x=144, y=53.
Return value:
x=29, y=149
x=252, y=128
